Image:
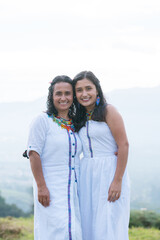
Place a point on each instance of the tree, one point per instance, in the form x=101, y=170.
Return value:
x=9, y=210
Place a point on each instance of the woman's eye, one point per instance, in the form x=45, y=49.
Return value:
x=78, y=90
x=68, y=93
x=89, y=88
x=58, y=93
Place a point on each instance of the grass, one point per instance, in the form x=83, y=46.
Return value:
x=16, y=228
x=144, y=234
x=22, y=229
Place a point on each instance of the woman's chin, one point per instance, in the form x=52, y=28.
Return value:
x=63, y=108
x=85, y=104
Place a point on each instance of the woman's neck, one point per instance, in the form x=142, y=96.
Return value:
x=63, y=115
x=89, y=109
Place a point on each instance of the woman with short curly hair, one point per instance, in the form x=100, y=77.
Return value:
x=54, y=149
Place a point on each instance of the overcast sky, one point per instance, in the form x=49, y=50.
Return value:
x=118, y=40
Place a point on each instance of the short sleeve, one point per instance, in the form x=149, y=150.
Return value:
x=37, y=134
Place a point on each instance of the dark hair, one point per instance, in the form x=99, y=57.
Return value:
x=99, y=113
x=50, y=105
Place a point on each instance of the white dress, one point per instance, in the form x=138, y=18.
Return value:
x=59, y=152
x=101, y=219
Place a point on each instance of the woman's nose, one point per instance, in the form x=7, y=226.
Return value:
x=63, y=97
x=84, y=93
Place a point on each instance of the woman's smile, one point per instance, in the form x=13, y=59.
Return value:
x=86, y=93
x=62, y=97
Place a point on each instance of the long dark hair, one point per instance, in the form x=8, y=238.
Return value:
x=99, y=113
x=50, y=105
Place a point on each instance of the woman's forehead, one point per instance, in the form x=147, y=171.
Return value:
x=84, y=82
x=61, y=86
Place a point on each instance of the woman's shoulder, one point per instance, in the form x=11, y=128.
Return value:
x=110, y=107
x=40, y=119
x=111, y=113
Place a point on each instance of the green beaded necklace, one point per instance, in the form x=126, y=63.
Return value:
x=63, y=123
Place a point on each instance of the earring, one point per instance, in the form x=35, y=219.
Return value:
x=97, y=101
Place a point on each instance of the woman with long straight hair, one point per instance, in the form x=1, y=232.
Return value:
x=104, y=186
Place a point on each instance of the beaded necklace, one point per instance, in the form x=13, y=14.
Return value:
x=89, y=115
x=63, y=123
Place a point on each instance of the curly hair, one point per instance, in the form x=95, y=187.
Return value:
x=99, y=113
x=50, y=105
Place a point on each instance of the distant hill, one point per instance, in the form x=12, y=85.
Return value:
x=140, y=108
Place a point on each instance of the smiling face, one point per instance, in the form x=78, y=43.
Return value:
x=86, y=93
x=62, y=97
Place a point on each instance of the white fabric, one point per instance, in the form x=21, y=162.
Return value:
x=52, y=143
x=101, y=219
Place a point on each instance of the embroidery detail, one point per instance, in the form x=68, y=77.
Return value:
x=89, y=139
x=69, y=188
x=75, y=155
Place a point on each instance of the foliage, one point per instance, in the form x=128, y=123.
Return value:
x=9, y=210
x=146, y=219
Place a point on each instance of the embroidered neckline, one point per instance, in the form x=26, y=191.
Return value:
x=89, y=114
x=63, y=123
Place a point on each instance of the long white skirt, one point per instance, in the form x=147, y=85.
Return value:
x=101, y=219
x=52, y=222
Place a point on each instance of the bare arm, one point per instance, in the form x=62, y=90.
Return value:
x=115, y=122
x=36, y=166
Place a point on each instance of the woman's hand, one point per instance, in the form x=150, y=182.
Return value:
x=36, y=166
x=114, y=191
x=43, y=196
x=116, y=153
x=116, y=125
